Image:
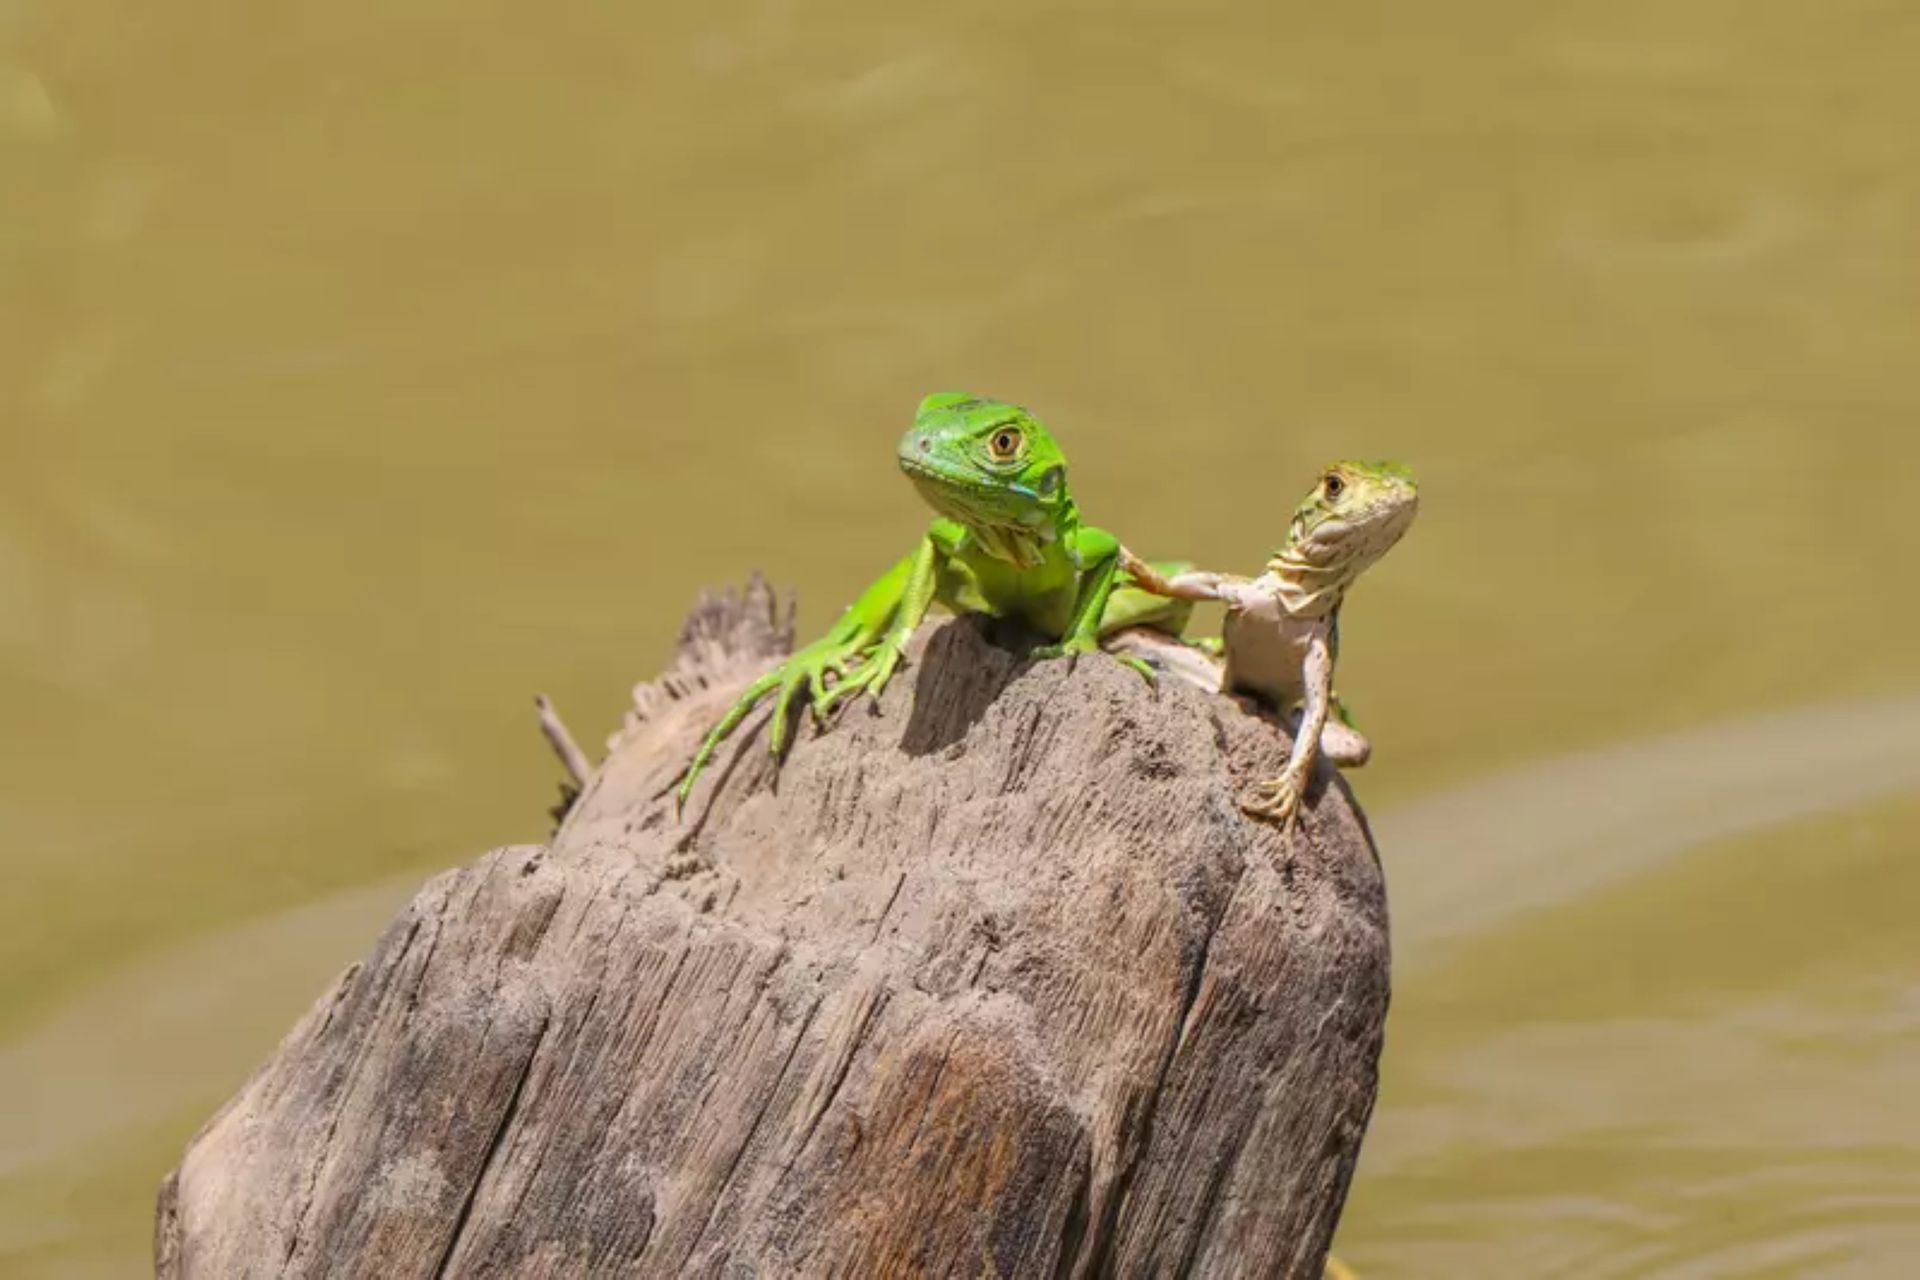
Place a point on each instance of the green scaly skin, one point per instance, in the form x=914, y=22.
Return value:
x=1282, y=633
x=1008, y=541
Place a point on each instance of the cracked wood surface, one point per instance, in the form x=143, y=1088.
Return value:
x=992, y=978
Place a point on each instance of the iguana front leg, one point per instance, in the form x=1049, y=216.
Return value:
x=852, y=637
x=1098, y=555
x=1280, y=798
x=879, y=662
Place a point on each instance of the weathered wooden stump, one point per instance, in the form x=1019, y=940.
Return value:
x=991, y=978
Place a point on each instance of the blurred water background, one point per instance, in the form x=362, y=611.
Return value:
x=365, y=368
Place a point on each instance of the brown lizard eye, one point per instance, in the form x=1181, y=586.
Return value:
x=1332, y=485
x=1005, y=443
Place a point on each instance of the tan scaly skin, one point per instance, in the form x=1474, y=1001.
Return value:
x=1283, y=627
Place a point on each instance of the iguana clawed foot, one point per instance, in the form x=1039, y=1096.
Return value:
x=808, y=668
x=1068, y=649
x=1072, y=649
x=875, y=669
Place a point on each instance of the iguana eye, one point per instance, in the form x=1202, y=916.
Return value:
x=1332, y=485
x=1004, y=444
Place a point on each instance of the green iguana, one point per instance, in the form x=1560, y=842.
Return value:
x=1008, y=541
x=1282, y=631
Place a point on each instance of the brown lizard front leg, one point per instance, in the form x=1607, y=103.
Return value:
x=1185, y=586
x=1279, y=799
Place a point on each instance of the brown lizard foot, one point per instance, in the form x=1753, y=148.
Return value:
x=1276, y=801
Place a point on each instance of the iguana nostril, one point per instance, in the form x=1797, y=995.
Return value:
x=926, y=444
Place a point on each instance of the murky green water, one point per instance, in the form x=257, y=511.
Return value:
x=365, y=368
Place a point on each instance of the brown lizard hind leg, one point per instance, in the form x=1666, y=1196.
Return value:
x=1341, y=743
x=1345, y=745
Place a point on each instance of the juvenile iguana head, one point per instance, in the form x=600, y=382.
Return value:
x=1355, y=512
x=993, y=468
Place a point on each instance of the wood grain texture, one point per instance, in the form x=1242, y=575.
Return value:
x=991, y=978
